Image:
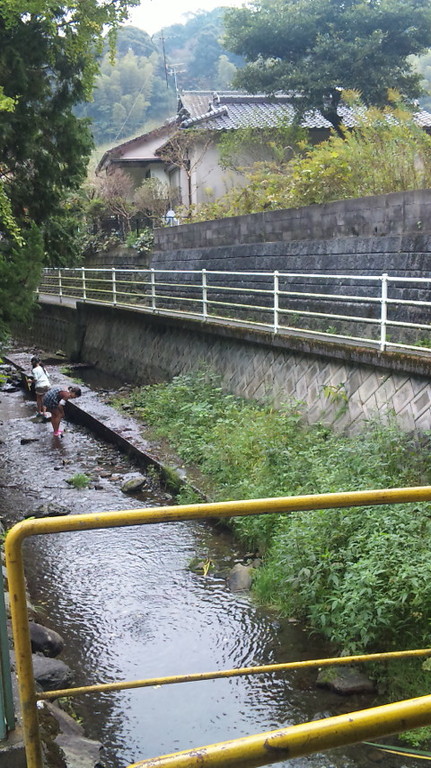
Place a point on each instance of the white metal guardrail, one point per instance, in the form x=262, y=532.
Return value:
x=384, y=311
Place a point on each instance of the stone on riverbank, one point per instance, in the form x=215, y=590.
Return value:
x=51, y=674
x=48, y=510
x=133, y=482
x=45, y=640
x=240, y=578
x=345, y=680
x=79, y=751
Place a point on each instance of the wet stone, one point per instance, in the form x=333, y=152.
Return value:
x=345, y=680
x=133, y=481
x=45, y=640
x=239, y=579
x=48, y=510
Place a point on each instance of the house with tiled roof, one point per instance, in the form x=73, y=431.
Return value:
x=198, y=176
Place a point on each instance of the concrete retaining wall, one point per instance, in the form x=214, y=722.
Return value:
x=378, y=215
x=338, y=385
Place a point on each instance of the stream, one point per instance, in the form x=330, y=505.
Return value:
x=129, y=607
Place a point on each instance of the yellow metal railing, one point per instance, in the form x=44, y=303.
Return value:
x=253, y=750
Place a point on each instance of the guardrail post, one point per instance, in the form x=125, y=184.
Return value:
x=84, y=286
x=276, y=300
x=204, y=295
x=153, y=289
x=60, y=287
x=114, y=287
x=7, y=715
x=383, y=311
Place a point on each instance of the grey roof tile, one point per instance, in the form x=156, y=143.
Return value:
x=228, y=111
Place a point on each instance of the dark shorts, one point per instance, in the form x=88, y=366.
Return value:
x=41, y=390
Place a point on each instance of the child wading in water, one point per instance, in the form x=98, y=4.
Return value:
x=54, y=400
x=41, y=383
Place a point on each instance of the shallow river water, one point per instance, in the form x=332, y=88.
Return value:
x=129, y=607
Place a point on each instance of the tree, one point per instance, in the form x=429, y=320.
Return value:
x=116, y=191
x=422, y=64
x=316, y=48
x=153, y=198
x=48, y=61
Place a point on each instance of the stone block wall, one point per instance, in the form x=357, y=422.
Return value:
x=377, y=215
x=54, y=328
x=367, y=236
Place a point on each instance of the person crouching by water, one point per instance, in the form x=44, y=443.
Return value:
x=54, y=400
x=41, y=383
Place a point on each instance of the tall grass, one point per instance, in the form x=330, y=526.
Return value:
x=361, y=577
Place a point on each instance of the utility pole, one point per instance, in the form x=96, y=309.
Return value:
x=162, y=38
x=176, y=69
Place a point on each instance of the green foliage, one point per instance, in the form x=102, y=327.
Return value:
x=20, y=269
x=313, y=47
x=131, y=94
x=422, y=65
x=197, y=44
x=243, y=147
x=78, y=481
x=124, y=90
x=48, y=60
x=361, y=577
x=387, y=152
x=142, y=243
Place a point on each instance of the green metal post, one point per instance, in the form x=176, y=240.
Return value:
x=7, y=714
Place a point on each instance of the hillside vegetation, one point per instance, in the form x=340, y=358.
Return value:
x=135, y=92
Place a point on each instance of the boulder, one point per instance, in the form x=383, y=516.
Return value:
x=133, y=482
x=51, y=674
x=79, y=751
x=45, y=640
x=345, y=680
x=48, y=510
x=240, y=578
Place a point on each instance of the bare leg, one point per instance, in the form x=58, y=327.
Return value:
x=39, y=403
x=56, y=416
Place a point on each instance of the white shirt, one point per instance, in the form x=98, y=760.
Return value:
x=40, y=377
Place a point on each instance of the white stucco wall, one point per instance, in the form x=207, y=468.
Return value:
x=209, y=179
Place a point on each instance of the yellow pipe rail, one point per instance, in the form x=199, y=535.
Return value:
x=16, y=579
x=237, y=672
x=300, y=740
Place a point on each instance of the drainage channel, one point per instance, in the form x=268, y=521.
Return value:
x=129, y=606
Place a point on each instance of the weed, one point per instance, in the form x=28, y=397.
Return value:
x=67, y=706
x=201, y=565
x=78, y=481
x=336, y=392
x=187, y=495
x=423, y=343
